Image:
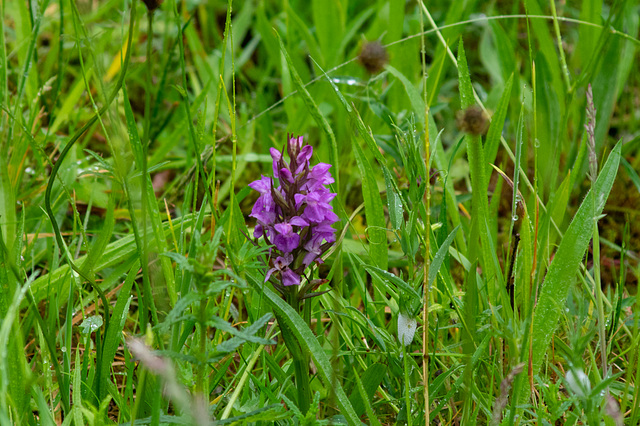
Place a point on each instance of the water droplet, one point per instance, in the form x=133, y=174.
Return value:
x=514, y=218
x=345, y=80
x=537, y=143
x=63, y=349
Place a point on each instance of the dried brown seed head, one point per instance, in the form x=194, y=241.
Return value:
x=373, y=57
x=152, y=4
x=473, y=120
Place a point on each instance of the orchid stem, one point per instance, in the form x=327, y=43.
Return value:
x=300, y=358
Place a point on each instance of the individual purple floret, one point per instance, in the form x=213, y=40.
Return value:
x=296, y=217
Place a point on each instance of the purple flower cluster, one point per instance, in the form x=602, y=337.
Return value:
x=295, y=217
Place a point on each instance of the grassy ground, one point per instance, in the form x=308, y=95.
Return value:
x=131, y=293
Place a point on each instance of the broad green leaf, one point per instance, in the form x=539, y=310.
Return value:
x=564, y=267
x=367, y=385
x=309, y=343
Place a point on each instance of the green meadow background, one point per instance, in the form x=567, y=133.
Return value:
x=475, y=196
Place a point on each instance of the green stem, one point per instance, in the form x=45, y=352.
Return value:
x=598, y=294
x=407, y=384
x=563, y=60
x=300, y=358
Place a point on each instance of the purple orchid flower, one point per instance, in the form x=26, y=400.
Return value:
x=296, y=217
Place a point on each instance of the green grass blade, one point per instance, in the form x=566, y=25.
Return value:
x=149, y=201
x=113, y=337
x=415, y=98
x=116, y=252
x=374, y=211
x=497, y=124
x=440, y=255
x=313, y=109
x=477, y=168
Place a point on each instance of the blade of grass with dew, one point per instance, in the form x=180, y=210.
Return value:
x=564, y=266
x=308, y=342
x=388, y=277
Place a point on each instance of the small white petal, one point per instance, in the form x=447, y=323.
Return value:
x=578, y=382
x=406, y=329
